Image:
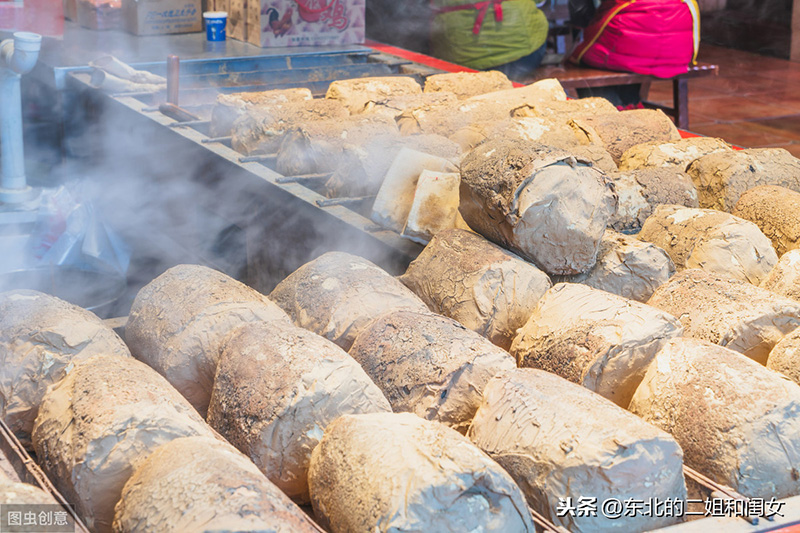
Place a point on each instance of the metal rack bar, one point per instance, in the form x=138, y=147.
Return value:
x=719, y=491
x=346, y=201
x=304, y=178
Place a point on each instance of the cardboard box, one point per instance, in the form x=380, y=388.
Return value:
x=70, y=9
x=270, y=23
x=99, y=14
x=157, y=17
x=237, y=22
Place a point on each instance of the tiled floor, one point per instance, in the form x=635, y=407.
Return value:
x=754, y=102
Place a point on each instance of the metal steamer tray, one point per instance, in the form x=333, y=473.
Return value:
x=247, y=191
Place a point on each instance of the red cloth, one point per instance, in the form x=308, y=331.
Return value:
x=652, y=37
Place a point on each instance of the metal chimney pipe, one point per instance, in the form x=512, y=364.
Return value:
x=17, y=57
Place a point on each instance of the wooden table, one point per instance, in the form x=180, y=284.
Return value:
x=574, y=77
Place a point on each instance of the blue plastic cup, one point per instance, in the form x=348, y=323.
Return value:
x=215, y=25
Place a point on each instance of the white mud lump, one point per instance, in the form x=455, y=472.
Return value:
x=179, y=320
x=628, y=267
x=731, y=313
x=541, y=202
x=776, y=212
x=277, y=388
x=594, y=338
x=641, y=191
x=484, y=287
x=722, y=177
x=674, y=154
x=398, y=472
x=197, y=484
x=784, y=278
x=395, y=199
x=735, y=420
x=99, y=422
x=337, y=294
x=559, y=440
x=435, y=206
x=429, y=365
x=41, y=339
x=711, y=240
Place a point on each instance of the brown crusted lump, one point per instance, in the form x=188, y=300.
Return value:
x=261, y=131
x=559, y=440
x=321, y=146
x=362, y=169
x=429, y=365
x=628, y=267
x=99, y=422
x=355, y=93
x=784, y=278
x=540, y=92
x=467, y=84
x=536, y=129
x=277, y=388
x=594, y=154
x=16, y=493
x=674, y=154
x=618, y=132
x=398, y=472
x=565, y=110
x=728, y=312
x=776, y=212
x=41, y=339
x=785, y=356
x=722, y=177
x=337, y=294
x=640, y=191
x=498, y=105
x=596, y=339
x=229, y=107
x=199, y=484
x=735, y=420
x=711, y=240
x=447, y=119
x=179, y=320
x=394, y=106
x=484, y=287
x=539, y=201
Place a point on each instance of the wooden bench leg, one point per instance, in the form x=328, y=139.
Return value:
x=644, y=92
x=680, y=102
